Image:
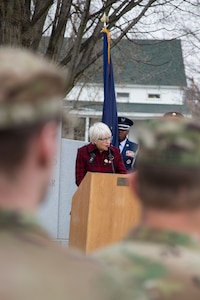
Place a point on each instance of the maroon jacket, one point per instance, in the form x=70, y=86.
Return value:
x=90, y=159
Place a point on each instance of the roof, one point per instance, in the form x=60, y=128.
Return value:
x=147, y=62
x=130, y=107
x=139, y=62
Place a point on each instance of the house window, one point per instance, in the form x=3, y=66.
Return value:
x=74, y=130
x=79, y=129
x=154, y=96
x=122, y=97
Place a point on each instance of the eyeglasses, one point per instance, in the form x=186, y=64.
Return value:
x=105, y=139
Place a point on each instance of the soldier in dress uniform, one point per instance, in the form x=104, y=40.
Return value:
x=32, y=265
x=160, y=259
x=127, y=148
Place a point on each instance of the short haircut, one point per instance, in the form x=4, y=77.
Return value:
x=99, y=130
x=14, y=145
x=168, y=188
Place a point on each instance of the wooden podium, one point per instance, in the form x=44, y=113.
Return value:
x=103, y=210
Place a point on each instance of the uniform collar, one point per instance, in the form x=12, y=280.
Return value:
x=20, y=220
x=123, y=143
x=161, y=236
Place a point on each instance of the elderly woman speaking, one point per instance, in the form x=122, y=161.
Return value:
x=99, y=155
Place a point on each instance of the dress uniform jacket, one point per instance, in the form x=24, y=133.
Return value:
x=129, y=153
x=36, y=268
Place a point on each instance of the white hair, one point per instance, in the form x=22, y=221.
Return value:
x=99, y=130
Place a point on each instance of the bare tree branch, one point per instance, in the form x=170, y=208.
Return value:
x=74, y=27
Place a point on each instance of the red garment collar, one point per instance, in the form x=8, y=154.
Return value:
x=93, y=148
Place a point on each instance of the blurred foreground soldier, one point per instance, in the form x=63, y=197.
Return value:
x=161, y=258
x=127, y=148
x=33, y=266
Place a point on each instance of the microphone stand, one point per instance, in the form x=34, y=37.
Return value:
x=111, y=158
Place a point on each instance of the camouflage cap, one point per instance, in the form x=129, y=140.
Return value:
x=169, y=143
x=31, y=88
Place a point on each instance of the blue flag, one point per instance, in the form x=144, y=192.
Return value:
x=109, y=116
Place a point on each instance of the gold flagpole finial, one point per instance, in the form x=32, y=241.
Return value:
x=104, y=20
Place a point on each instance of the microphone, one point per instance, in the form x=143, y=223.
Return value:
x=92, y=157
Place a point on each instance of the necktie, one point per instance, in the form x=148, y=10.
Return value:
x=120, y=147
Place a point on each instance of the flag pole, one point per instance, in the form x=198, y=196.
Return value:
x=104, y=20
x=109, y=115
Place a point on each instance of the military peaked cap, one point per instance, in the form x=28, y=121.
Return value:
x=124, y=123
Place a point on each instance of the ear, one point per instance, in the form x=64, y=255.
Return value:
x=133, y=182
x=47, y=143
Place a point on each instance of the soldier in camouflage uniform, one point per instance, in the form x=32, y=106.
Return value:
x=161, y=258
x=32, y=266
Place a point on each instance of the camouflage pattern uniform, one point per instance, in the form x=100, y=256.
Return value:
x=32, y=265
x=152, y=263
x=156, y=264
x=36, y=268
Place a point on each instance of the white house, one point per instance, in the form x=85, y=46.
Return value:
x=149, y=81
